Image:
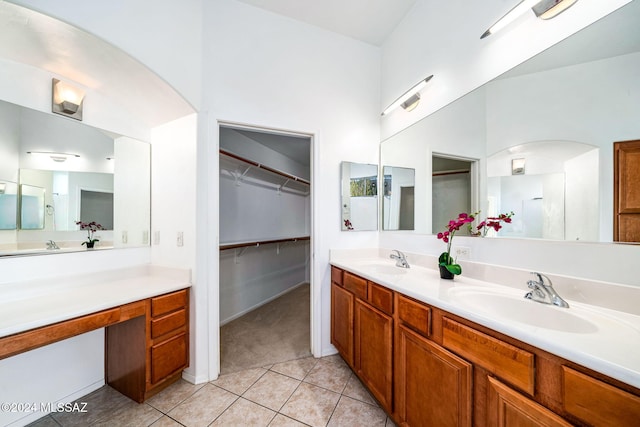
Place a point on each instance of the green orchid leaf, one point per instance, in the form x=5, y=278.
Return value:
x=454, y=268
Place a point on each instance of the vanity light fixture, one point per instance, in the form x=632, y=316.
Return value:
x=517, y=166
x=544, y=9
x=56, y=157
x=410, y=99
x=66, y=99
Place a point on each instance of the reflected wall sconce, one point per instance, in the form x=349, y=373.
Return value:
x=66, y=99
x=517, y=166
x=410, y=99
x=55, y=156
x=543, y=9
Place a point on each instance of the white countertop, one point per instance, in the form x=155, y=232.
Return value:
x=29, y=305
x=602, y=339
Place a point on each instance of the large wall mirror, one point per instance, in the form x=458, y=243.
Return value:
x=560, y=113
x=57, y=171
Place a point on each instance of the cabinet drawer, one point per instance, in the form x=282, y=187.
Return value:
x=506, y=361
x=168, y=303
x=355, y=284
x=381, y=298
x=508, y=407
x=168, y=323
x=596, y=402
x=336, y=275
x=415, y=315
x=168, y=357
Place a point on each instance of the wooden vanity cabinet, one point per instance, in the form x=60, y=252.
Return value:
x=167, y=342
x=149, y=351
x=362, y=331
x=342, y=317
x=373, y=357
x=433, y=386
x=428, y=367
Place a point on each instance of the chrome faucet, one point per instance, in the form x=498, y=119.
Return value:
x=401, y=259
x=52, y=245
x=543, y=292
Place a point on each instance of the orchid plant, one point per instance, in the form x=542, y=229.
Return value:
x=492, y=222
x=91, y=228
x=445, y=259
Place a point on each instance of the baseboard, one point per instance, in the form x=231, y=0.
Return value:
x=190, y=378
x=261, y=303
x=70, y=398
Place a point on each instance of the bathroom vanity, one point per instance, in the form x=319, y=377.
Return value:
x=430, y=359
x=145, y=313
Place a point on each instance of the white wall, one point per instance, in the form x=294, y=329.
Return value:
x=606, y=112
x=166, y=36
x=173, y=205
x=267, y=70
x=582, y=199
x=132, y=184
x=424, y=43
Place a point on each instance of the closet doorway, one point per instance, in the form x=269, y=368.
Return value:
x=265, y=247
x=454, y=189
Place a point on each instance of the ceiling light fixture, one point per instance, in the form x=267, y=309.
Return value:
x=55, y=156
x=66, y=100
x=410, y=99
x=545, y=9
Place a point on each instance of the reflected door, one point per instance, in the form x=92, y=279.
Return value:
x=626, y=193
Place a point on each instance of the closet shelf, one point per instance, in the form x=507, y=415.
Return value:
x=242, y=170
x=225, y=246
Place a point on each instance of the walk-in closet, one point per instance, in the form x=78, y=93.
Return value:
x=265, y=223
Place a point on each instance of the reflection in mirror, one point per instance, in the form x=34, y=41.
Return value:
x=556, y=195
x=31, y=207
x=8, y=205
x=398, y=198
x=359, y=196
x=451, y=190
x=551, y=97
x=106, y=179
x=74, y=196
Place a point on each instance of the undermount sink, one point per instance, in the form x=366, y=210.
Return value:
x=382, y=268
x=513, y=307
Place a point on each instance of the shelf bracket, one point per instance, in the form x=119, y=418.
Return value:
x=240, y=252
x=282, y=186
x=240, y=176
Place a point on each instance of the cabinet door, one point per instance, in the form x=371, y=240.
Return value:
x=342, y=322
x=506, y=407
x=168, y=357
x=374, y=351
x=433, y=386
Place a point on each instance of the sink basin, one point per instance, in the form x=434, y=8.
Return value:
x=514, y=307
x=382, y=268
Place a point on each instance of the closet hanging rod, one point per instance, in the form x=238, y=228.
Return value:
x=261, y=242
x=450, y=173
x=261, y=166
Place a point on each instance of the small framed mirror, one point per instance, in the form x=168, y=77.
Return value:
x=398, y=198
x=359, y=197
x=31, y=207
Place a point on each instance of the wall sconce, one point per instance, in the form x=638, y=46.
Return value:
x=544, y=9
x=410, y=99
x=66, y=100
x=517, y=166
x=56, y=157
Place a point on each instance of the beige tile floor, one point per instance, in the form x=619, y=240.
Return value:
x=302, y=392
